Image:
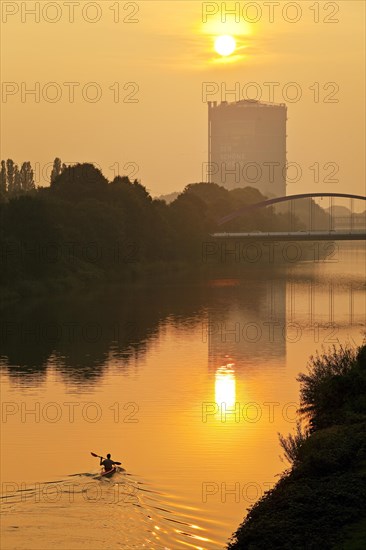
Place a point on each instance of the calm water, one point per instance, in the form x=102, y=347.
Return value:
x=187, y=385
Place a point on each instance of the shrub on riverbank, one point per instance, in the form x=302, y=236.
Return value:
x=322, y=499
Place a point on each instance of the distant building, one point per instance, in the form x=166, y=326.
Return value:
x=247, y=145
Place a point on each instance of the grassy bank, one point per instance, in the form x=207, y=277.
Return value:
x=320, y=502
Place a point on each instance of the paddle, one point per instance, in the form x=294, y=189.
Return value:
x=98, y=456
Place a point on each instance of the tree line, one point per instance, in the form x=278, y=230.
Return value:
x=85, y=227
x=15, y=181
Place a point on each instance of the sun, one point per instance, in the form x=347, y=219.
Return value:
x=225, y=45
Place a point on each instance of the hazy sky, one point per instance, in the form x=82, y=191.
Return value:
x=167, y=55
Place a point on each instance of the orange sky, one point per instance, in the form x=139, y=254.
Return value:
x=168, y=53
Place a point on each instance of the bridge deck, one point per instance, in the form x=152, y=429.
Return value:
x=295, y=236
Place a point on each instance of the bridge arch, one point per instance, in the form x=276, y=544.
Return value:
x=269, y=202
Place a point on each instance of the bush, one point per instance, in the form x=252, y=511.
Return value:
x=292, y=444
x=334, y=384
x=321, y=500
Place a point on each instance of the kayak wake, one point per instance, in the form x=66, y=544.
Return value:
x=151, y=518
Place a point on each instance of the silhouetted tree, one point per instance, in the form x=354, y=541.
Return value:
x=3, y=179
x=16, y=182
x=10, y=169
x=57, y=169
x=28, y=226
x=216, y=198
x=79, y=182
x=27, y=177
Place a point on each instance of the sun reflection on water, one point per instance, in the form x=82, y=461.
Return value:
x=225, y=385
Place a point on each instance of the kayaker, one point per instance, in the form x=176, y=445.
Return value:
x=107, y=463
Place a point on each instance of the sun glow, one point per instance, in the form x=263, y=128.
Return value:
x=225, y=45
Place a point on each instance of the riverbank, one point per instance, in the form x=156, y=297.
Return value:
x=321, y=500
x=211, y=260
x=96, y=280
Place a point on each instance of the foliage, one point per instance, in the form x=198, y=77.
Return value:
x=15, y=182
x=51, y=234
x=321, y=501
x=334, y=388
x=293, y=444
x=79, y=182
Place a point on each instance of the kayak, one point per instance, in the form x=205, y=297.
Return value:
x=109, y=473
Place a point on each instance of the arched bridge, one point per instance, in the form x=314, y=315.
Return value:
x=310, y=234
